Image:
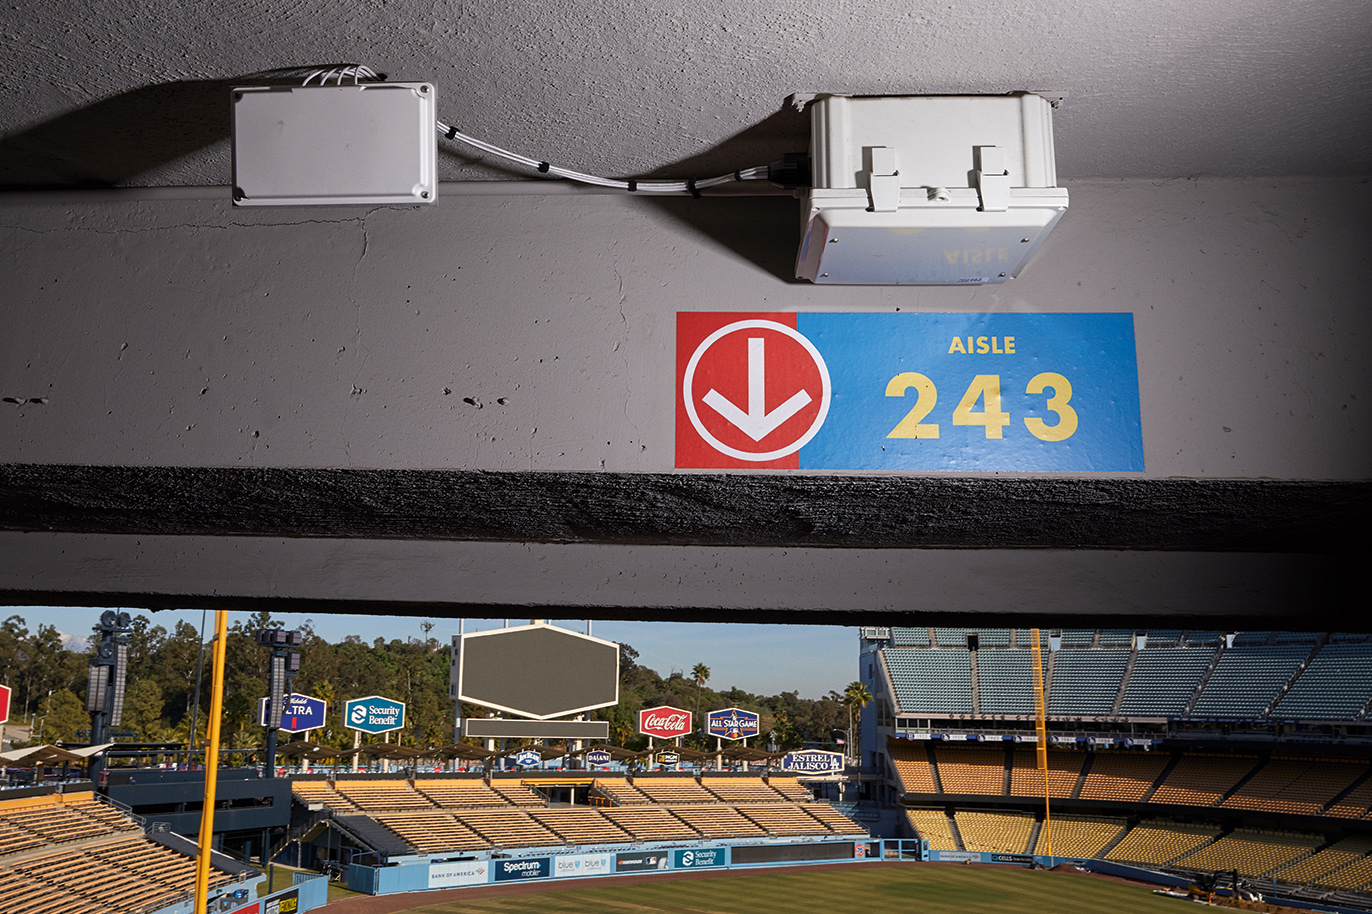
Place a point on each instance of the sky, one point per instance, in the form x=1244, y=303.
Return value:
x=762, y=659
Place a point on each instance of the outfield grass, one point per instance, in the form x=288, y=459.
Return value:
x=925, y=889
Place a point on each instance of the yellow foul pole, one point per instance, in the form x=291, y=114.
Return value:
x=1041, y=722
x=202, y=863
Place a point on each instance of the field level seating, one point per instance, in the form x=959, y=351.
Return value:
x=1354, y=804
x=1323, y=867
x=1252, y=853
x=932, y=825
x=507, y=828
x=834, y=819
x=1159, y=842
x=21, y=894
x=650, y=823
x=716, y=821
x=995, y=832
x=784, y=819
x=432, y=832
x=1078, y=836
x=53, y=820
x=581, y=826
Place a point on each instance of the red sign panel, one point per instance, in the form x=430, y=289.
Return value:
x=751, y=390
x=4, y=703
x=665, y=722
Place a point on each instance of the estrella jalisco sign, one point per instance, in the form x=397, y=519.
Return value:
x=812, y=761
x=374, y=714
x=732, y=723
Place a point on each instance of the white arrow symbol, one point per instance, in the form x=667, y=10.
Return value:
x=756, y=423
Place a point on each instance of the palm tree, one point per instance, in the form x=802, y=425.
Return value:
x=700, y=672
x=859, y=695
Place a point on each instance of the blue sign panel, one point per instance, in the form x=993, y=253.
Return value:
x=374, y=714
x=528, y=758
x=699, y=858
x=732, y=723
x=598, y=757
x=525, y=868
x=915, y=392
x=812, y=760
x=302, y=712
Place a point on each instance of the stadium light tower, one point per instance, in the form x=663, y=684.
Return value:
x=285, y=664
x=105, y=680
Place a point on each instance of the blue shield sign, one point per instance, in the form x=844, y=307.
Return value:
x=812, y=761
x=374, y=714
x=732, y=723
x=302, y=712
x=528, y=758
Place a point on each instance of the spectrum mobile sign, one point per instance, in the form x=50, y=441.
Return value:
x=732, y=723
x=664, y=722
x=374, y=714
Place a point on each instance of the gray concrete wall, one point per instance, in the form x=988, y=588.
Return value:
x=508, y=331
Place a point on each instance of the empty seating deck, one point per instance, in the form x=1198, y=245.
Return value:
x=620, y=792
x=519, y=794
x=741, y=790
x=432, y=832
x=1252, y=853
x=791, y=789
x=971, y=770
x=581, y=826
x=932, y=825
x=382, y=795
x=1122, y=776
x=912, y=766
x=1296, y=786
x=784, y=819
x=996, y=832
x=1160, y=842
x=674, y=791
x=716, y=821
x=1078, y=836
x=650, y=823
x=1064, y=768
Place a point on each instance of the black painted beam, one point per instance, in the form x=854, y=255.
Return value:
x=1232, y=515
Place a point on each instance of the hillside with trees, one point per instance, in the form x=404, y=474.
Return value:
x=49, y=683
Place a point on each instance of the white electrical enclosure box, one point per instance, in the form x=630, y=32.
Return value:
x=304, y=145
x=936, y=190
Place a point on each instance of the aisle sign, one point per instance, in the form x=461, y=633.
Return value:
x=918, y=392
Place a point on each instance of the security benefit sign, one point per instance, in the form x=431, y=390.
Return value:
x=908, y=392
x=374, y=714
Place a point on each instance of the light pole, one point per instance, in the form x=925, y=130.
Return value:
x=285, y=664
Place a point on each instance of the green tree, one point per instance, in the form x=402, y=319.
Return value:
x=701, y=674
x=856, y=696
x=60, y=715
x=143, y=705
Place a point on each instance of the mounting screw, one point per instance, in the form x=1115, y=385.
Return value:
x=824, y=274
x=833, y=241
x=424, y=194
x=423, y=88
x=1002, y=276
x=1024, y=241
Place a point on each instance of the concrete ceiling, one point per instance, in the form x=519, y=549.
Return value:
x=126, y=92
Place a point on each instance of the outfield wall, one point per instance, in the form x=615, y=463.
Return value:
x=427, y=875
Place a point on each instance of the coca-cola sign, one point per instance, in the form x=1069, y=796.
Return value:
x=665, y=722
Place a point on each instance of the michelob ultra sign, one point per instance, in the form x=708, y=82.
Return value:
x=732, y=723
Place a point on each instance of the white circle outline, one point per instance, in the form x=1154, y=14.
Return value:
x=756, y=324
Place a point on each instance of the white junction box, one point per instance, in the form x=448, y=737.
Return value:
x=364, y=143
x=940, y=190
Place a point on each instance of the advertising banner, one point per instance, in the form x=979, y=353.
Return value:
x=664, y=722
x=598, y=757
x=374, y=714
x=466, y=872
x=4, y=703
x=668, y=758
x=640, y=861
x=573, y=865
x=287, y=903
x=528, y=758
x=302, y=712
x=908, y=391
x=812, y=761
x=699, y=858
x=732, y=723
x=525, y=868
